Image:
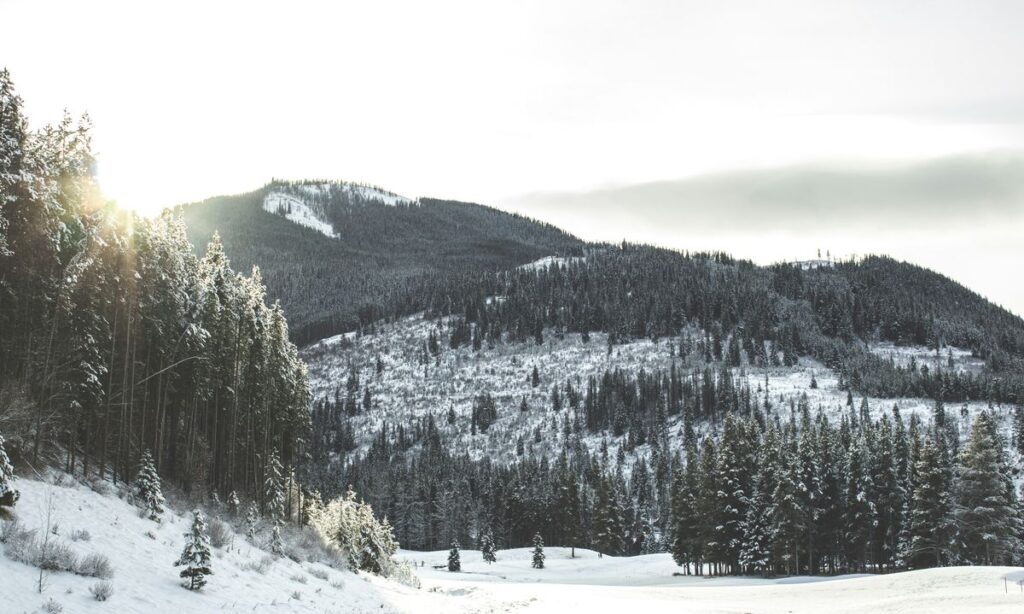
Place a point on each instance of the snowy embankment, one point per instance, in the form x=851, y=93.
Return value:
x=646, y=584
x=246, y=578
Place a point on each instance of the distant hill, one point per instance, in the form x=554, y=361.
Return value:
x=339, y=254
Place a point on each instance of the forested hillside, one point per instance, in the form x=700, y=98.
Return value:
x=384, y=252
x=729, y=422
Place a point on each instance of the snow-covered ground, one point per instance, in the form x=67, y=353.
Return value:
x=646, y=584
x=146, y=582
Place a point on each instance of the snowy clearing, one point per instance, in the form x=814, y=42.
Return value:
x=548, y=261
x=297, y=211
x=645, y=583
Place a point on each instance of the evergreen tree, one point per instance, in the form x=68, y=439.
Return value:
x=234, y=505
x=147, y=488
x=538, y=552
x=685, y=546
x=860, y=520
x=453, y=557
x=276, y=546
x=8, y=494
x=252, y=519
x=986, y=502
x=273, y=489
x=196, y=555
x=608, y=519
x=487, y=547
x=931, y=510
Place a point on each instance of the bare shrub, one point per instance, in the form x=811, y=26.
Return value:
x=52, y=606
x=316, y=572
x=296, y=595
x=101, y=591
x=261, y=566
x=80, y=535
x=95, y=566
x=300, y=578
x=220, y=533
x=54, y=555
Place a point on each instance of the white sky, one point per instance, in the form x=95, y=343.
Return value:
x=497, y=102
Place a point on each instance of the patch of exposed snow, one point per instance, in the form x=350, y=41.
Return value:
x=547, y=261
x=296, y=211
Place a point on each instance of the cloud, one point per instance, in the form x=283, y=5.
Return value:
x=932, y=194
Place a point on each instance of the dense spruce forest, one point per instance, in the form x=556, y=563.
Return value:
x=381, y=258
x=117, y=340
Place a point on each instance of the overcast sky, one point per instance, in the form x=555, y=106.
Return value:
x=767, y=129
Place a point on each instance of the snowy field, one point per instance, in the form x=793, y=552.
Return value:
x=247, y=579
x=646, y=584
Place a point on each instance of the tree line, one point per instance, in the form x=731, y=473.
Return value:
x=115, y=338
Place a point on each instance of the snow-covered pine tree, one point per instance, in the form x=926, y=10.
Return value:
x=233, y=504
x=453, y=557
x=860, y=511
x=196, y=555
x=8, y=494
x=252, y=518
x=608, y=518
x=685, y=550
x=538, y=552
x=930, y=511
x=273, y=487
x=147, y=487
x=487, y=547
x=986, y=501
x=276, y=545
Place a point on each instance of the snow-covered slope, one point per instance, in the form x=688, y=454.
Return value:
x=409, y=387
x=295, y=210
x=304, y=203
x=145, y=580
x=547, y=261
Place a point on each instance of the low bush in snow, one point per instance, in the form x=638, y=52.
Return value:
x=260, y=566
x=316, y=572
x=95, y=566
x=80, y=535
x=52, y=606
x=220, y=533
x=101, y=591
x=53, y=555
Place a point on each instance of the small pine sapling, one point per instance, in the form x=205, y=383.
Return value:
x=196, y=555
x=453, y=557
x=147, y=488
x=538, y=552
x=251, y=519
x=487, y=547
